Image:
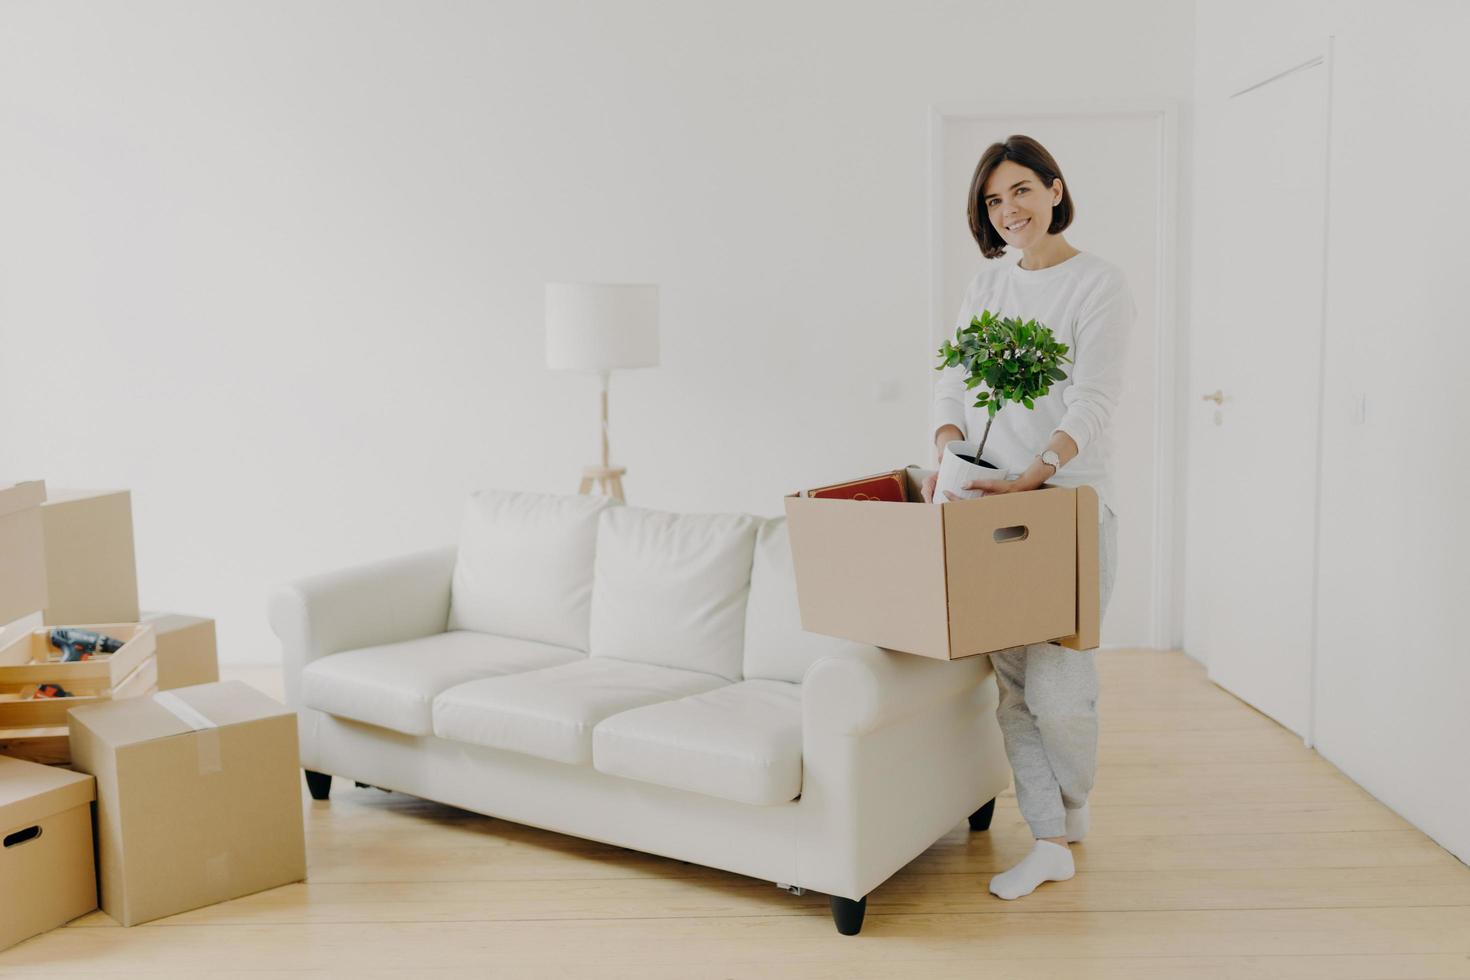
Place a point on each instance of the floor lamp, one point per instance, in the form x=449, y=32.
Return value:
x=600, y=327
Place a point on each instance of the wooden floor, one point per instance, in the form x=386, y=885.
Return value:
x=1220, y=847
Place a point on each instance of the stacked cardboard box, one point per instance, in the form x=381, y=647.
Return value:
x=91, y=577
x=949, y=580
x=23, y=596
x=47, y=876
x=47, y=861
x=67, y=558
x=197, y=789
x=198, y=797
x=198, y=800
x=85, y=550
x=186, y=649
x=22, y=551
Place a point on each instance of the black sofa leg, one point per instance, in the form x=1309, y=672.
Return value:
x=980, y=819
x=848, y=915
x=319, y=784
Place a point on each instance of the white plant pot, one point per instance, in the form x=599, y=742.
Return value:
x=955, y=472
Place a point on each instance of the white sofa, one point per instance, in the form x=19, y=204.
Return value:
x=638, y=678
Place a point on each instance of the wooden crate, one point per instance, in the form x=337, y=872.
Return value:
x=48, y=746
x=35, y=728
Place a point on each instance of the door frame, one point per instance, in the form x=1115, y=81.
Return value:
x=1165, y=589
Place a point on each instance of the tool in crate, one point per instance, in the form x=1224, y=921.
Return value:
x=79, y=644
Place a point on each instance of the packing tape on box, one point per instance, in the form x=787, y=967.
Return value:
x=206, y=730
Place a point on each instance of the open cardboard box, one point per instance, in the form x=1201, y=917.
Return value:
x=91, y=571
x=187, y=652
x=949, y=580
x=66, y=557
x=22, y=550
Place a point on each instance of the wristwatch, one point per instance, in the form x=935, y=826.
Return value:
x=1050, y=458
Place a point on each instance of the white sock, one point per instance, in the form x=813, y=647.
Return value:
x=1077, y=821
x=1046, y=862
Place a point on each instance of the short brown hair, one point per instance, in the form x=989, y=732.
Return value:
x=1032, y=155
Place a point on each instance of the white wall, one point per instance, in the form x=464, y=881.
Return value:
x=1392, y=676
x=278, y=267
x=1393, y=673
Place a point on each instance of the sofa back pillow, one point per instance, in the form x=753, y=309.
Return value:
x=524, y=567
x=669, y=589
x=776, y=647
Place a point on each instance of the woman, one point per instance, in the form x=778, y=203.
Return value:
x=1048, y=694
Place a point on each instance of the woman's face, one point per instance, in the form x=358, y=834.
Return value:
x=1018, y=204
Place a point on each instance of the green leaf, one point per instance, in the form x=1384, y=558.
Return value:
x=1016, y=360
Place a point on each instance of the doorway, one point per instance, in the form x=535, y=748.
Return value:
x=1119, y=163
x=1257, y=355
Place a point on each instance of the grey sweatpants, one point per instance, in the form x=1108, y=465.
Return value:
x=1048, y=712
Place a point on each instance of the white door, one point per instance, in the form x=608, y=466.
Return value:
x=1113, y=163
x=1252, y=487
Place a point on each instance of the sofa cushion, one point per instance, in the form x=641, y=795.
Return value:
x=776, y=647
x=740, y=742
x=393, y=686
x=524, y=567
x=551, y=713
x=669, y=589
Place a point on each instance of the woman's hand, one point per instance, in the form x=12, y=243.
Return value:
x=927, y=487
x=942, y=438
x=1026, y=481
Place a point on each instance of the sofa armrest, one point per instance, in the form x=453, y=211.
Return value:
x=387, y=601
x=858, y=692
x=897, y=750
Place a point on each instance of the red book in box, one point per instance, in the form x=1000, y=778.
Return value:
x=886, y=486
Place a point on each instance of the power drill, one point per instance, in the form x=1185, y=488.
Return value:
x=79, y=644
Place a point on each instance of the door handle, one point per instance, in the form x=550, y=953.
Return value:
x=1217, y=396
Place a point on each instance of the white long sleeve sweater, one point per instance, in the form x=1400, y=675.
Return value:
x=1088, y=306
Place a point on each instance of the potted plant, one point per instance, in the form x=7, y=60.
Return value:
x=1015, y=361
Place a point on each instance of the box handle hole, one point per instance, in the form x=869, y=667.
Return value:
x=21, y=836
x=1018, y=532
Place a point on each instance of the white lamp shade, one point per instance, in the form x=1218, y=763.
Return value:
x=601, y=326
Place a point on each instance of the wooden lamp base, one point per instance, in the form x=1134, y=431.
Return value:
x=608, y=479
